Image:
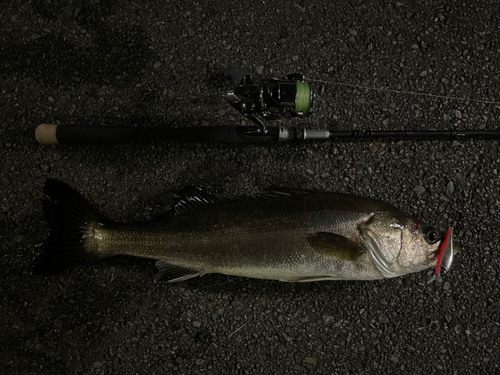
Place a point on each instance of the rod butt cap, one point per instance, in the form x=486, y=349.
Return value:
x=46, y=134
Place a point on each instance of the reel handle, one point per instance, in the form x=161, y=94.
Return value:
x=236, y=74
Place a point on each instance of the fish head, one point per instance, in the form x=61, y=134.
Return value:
x=400, y=244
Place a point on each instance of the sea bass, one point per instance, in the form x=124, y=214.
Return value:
x=282, y=234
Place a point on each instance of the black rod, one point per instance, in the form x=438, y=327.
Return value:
x=450, y=134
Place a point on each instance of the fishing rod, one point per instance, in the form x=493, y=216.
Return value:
x=261, y=101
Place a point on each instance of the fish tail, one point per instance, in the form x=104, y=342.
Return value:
x=69, y=217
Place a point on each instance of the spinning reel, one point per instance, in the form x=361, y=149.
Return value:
x=269, y=99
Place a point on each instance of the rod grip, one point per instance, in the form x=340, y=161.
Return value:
x=49, y=134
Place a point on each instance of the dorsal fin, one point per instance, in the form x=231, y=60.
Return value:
x=275, y=192
x=191, y=198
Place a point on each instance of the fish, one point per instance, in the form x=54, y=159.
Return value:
x=284, y=234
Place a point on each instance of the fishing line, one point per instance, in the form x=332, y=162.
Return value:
x=405, y=92
x=303, y=97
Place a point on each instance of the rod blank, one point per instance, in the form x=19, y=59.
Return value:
x=450, y=134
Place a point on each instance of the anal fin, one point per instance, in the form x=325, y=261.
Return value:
x=170, y=273
x=336, y=246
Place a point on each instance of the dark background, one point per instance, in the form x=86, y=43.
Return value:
x=161, y=63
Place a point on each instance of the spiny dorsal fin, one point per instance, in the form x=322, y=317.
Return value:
x=275, y=192
x=336, y=246
x=191, y=198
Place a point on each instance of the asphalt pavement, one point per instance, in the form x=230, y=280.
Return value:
x=161, y=63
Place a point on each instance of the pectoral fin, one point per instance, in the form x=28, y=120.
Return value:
x=336, y=246
x=170, y=273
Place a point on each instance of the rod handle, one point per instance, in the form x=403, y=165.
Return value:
x=49, y=134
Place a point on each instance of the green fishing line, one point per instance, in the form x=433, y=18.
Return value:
x=303, y=97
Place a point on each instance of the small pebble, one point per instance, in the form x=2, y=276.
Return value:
x=419, y=189
x=394, y=359
x=383, y=319
x=310, y=360
x=450, y=188
x=237, y=305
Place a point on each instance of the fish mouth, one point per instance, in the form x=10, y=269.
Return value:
x=445, y=254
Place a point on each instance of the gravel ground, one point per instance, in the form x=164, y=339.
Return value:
x=161, y=63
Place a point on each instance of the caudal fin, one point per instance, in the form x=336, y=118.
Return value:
x=68, y=216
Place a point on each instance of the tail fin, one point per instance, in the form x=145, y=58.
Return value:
x=68, y=217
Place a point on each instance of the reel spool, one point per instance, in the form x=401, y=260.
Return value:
x=269, y=99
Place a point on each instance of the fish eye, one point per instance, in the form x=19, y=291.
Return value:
x=432, y=236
